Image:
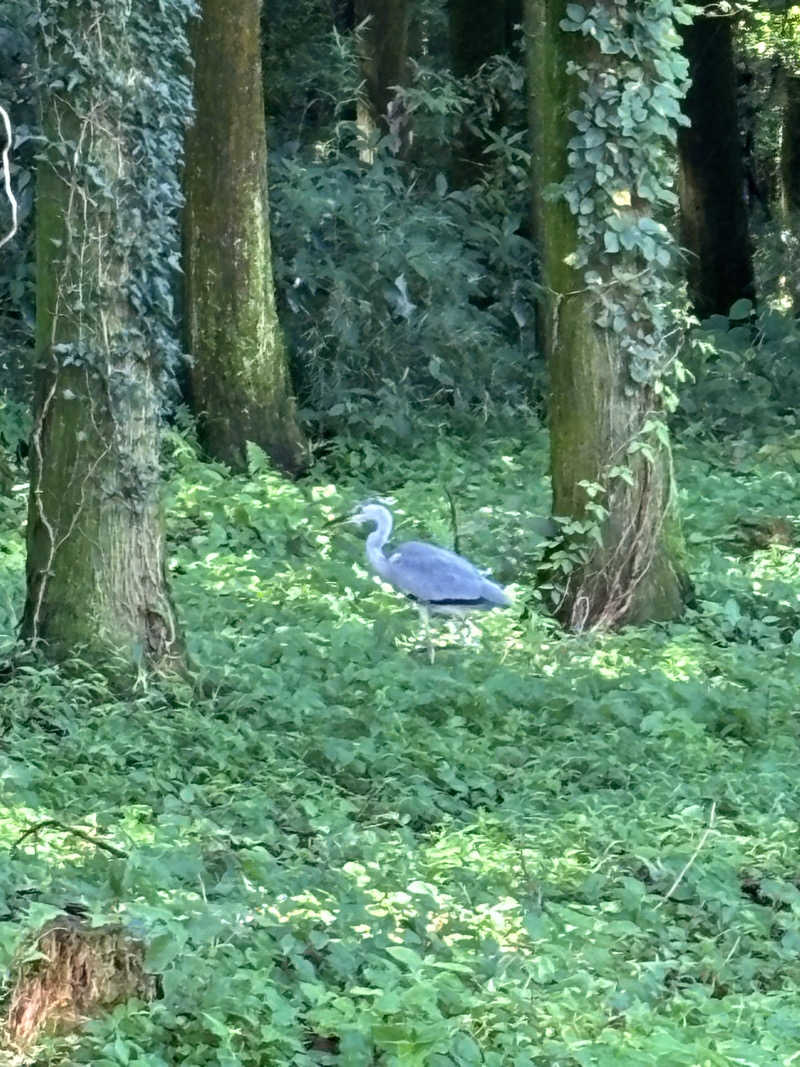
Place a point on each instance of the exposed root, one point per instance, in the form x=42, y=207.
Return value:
x=607, y=591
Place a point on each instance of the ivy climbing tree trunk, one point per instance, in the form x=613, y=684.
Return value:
x=613, y=496
x=239, y=377
x=713, y=212
x=384, y=64
x=106, y=221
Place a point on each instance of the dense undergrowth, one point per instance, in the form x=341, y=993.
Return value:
x=342, y=854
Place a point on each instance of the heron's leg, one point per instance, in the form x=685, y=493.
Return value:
x=470, y=629
x=461, y=627
x=425, y=619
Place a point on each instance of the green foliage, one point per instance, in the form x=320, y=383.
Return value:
x=391, y=281
x=772, y=35
x=311, y=70
x=341, y=854
x=151, y=109
x=489, y=106
x=386, y=276
x=383, y=273
x=620, y=185
x=745, y=373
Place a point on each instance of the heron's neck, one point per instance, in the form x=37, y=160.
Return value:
x=377, y=539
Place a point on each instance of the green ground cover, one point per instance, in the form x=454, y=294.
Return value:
x=540, y=850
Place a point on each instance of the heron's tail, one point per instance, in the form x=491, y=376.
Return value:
x=495, y=594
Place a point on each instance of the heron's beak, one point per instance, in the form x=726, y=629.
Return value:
x=345, y=520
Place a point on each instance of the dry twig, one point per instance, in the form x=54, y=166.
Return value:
x=82, y=834
x=692, y=858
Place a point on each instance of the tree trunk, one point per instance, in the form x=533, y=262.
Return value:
x=790, y=150
x=626, y=568
x=712, y=181
x=478, y=31
x=343, y=15
x=239, y=379
x=95, y=568
x=384, y=64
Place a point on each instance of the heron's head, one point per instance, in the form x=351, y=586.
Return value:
x=376, y=513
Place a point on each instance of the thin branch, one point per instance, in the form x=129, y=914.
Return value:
x=82, y=834
x=454, y=522
x=6, y=157
x=692, y=858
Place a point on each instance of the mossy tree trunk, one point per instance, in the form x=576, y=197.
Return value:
x=384, y=64
x=713, y=211
x=596, y=411
x=95, y=566
x=239, y=379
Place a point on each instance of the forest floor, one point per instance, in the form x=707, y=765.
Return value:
x=542, y=849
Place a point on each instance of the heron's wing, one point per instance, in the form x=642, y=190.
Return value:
x=435, y=575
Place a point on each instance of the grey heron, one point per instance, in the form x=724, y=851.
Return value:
x=439, y=581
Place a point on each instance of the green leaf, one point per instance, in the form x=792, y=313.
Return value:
x=218, y=1028
x=161, y=952
x=742, y=309
x=594, y=137
x=406, y=955
x=466, y=1050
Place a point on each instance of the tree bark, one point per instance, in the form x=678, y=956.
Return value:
x=384, y=64
x=478, y=31
x=239, y=380
x=790, y=150
x=95, y=566
x=596, y=411
x=713, y=210
x=343, y=15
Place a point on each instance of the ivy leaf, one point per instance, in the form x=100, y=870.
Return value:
x=594, y=137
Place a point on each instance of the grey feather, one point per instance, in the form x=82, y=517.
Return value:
x=441, y=581
x=439, y=577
